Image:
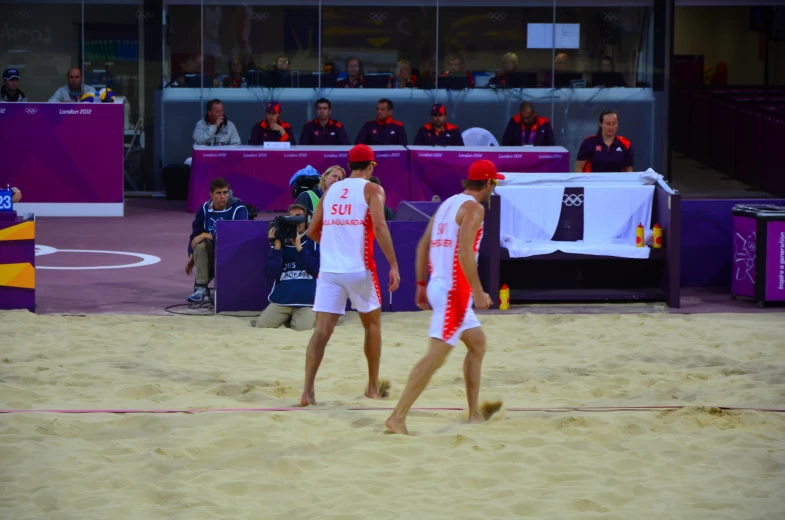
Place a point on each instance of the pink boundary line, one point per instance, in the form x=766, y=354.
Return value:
x=371, y=409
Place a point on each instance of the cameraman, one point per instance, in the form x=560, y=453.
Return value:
x=294, y=264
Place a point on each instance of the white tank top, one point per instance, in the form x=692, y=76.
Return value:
x=444, y=262
x=347, y=229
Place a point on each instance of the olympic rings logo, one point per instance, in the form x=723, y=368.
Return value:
x=23, y=15
x=497, y=17
x=378, y=17
x=145, y=15
x=572, y=200
x=260, y=17
x=609, y=17
x=31, y=111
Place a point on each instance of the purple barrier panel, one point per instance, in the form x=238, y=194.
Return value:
x=772, y=174
x=261, y=176
x=707, y=240
x=775, y=261
x=16, y=247
x=406, y=236
x=744, y=245
x=667, y=212
x=723, y=136
x=438, y=171
x=240, y=254
x=63, y=153
x=748, y=145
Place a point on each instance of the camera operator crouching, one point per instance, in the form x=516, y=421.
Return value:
x=293, y=261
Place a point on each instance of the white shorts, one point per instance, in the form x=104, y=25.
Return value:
x=332, y=290
x=452, y=313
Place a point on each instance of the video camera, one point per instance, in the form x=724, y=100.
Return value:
x=285, y=227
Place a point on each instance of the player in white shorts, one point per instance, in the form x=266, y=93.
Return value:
x=450, y=247
x=345, y=223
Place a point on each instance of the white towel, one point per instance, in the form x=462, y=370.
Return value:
x=507, y=241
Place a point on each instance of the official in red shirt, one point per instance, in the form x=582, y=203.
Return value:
x=273, y=128
x=384, y=129
x=458, y=69
x=323, y=131
x=605, y=151
x=528, y=129
x=438, y=132
x=354, y=71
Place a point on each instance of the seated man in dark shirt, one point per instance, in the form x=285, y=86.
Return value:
x=438, y=132
x=384, y=129
x=528, y=129
x=354, y=71
x=201, y=245
x=323, y=130
x=272, y=128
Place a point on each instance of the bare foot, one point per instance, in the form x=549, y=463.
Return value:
x=394, y=426
x=307, y=398
x=381, y=392
x=476, y=418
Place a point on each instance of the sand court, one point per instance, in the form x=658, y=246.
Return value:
x=333, y=462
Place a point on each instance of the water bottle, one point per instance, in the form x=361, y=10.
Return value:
x=245, y=83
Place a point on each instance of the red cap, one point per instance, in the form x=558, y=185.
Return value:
x=274, y=106
x=360, y=153
x=483, y=170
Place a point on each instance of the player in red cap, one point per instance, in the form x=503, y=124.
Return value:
x=272, y=128
x=346, y=221
x=450, y=245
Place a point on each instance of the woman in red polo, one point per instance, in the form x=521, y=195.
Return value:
x=605, y=151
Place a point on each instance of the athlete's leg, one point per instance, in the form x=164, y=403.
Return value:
x=418, y=380
x=474, y=339
x=325, y=324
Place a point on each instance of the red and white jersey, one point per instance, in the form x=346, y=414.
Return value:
x=444, y=262
x=347, y=229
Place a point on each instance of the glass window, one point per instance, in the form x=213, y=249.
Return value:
x=603, y=61
x=488, y=45
x=42, y=41
x=378, y=46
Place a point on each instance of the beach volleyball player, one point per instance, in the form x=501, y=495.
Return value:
x=346, y=221
x=449, y=246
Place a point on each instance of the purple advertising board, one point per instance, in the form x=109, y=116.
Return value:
x=744, y=256
x=67, y=158
x=17, y=264
x=438, y=171
x=260, y=176
x=241, y=252
x=775, y=261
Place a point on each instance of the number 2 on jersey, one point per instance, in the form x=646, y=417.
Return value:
x=345, y=191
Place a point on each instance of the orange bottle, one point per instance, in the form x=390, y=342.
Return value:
x=504, y=298
x=639, y=236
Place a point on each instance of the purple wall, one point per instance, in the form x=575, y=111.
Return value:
x=707, y=240
x=241, y=252
x=63, y=152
